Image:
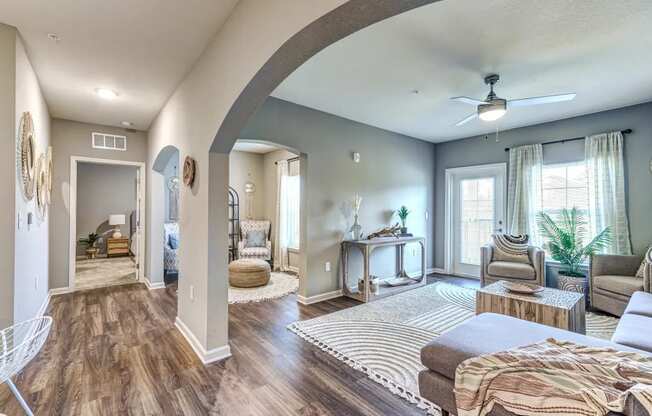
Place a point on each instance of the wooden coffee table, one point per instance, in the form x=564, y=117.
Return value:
x=552, y=307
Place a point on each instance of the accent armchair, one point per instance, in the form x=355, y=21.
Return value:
x=493, y=271
x=613, y=281
x=258, y=252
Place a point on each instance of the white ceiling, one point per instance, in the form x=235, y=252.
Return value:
x=600, y=49
x=250, y=147
x=141, y=49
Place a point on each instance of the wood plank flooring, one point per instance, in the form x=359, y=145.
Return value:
x=116, y=351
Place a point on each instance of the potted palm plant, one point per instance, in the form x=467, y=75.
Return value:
x=565, y=241
x=403, y=213
x=90, y=241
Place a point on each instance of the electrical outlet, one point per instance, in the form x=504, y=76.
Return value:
x=192, y=292
x=327, y=266
x=35, y=282
x=414, y=252
x=427, y=215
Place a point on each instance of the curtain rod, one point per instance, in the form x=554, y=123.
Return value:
x=292, y=159
x=626, y=131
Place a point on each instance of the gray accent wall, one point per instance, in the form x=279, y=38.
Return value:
x=71, y=138
x=103, y=190
x=248, y=167
x=394, y=170
x=638, y=154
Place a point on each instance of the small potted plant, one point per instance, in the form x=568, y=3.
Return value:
x=565, y=243
x=89, y=242
x=403, y=213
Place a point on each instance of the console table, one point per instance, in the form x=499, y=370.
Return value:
x=366, y=247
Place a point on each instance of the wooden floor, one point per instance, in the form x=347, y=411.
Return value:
x=116, y=351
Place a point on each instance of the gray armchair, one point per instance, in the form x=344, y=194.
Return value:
x=493, y=271
x=613, y=281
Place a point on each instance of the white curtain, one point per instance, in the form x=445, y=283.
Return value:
x=281, y=261
x=524, y=191
x=604, y=162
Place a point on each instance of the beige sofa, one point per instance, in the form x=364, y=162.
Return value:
x=493, y=271
x=613, y=281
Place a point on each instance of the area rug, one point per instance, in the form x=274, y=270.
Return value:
x=384, y=338
x=90, y=274
x=280, y=284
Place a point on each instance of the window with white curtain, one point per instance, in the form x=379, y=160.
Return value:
x=291, y=195
x=565, y=185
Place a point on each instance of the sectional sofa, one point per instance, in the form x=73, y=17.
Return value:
x=499, y=332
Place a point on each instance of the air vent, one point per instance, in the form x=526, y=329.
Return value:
x=109, y=141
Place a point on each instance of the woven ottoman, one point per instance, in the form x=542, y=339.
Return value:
x=249, y=273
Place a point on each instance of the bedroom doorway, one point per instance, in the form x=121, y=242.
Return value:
x=106, y=243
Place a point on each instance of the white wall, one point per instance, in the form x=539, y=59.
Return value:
x=190, y=120
x=31, y=242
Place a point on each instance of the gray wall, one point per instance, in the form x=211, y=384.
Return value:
x=70, y=138
x=245, y=167
x=394, y=170
x=638, y=153
x=7, y=170
x=103, y=190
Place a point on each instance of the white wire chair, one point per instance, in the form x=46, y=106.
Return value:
x=18, y=345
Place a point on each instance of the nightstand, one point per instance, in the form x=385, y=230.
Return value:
x=116, y=247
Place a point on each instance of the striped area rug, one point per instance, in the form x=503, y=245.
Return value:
x=384, y=338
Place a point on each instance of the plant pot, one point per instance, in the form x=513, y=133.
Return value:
x=574, y=283
x=91, y=253
x=404, y=230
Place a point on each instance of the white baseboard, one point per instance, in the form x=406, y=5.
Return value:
x=44, y=305
x=153, y=286
x=206, y=357
x=438, y=270
x=319, y=298
x=60, y=291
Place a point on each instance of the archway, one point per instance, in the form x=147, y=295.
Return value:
x=165, y=166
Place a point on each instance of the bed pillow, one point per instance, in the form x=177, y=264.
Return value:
x=173, y=241
x=512, y=248
x=255, y=238
x=647, y=260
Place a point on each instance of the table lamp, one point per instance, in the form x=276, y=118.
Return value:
x=116, y=220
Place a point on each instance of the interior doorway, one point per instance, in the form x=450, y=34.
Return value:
x=475, y=209
x=106, y=216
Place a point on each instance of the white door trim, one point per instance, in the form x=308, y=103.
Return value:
x=72, y=203
x=448, y=207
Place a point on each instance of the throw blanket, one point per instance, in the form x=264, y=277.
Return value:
x=553, y=378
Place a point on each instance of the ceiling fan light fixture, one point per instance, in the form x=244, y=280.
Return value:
x=493, y=110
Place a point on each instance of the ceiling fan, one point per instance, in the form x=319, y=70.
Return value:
x=494, y=107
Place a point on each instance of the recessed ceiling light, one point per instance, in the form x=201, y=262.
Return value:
x=127, y=123
x=106, y=93
x=54, y=37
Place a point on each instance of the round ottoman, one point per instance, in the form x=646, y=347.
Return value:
x=249, y=273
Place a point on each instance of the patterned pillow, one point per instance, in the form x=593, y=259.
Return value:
x=255, y=238
x=511, y=248
x=647, y=261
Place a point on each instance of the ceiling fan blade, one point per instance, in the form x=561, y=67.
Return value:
x=466, y=119
x=468, y=100
x=548, y=99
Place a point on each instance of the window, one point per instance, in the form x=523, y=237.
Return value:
x=290, y=210
x=565, y=185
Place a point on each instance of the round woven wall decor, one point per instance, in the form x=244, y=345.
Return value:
x=27, y=156
x=189, y=171
x=49, y=168
x=41, y=183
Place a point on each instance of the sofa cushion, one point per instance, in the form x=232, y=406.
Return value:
x=513, y=248
x=634, y=331
x=496, y=333
x=622, y=285
x=640, y=304
x=647, y=262
x=511, y=270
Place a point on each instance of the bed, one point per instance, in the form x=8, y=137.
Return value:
x=170, y=257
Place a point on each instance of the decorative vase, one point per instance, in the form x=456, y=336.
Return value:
x=403, y=230
x=356, y=229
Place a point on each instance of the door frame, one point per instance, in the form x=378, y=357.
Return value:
x=72, y=203
x=449, y=249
